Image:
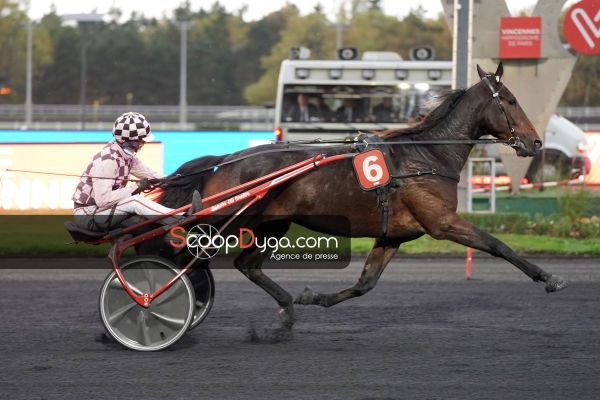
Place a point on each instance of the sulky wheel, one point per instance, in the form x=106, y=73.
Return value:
x=204, y=289
x=167, y=318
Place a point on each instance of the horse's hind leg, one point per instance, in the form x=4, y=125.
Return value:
x=380, y=255
x=249, y=263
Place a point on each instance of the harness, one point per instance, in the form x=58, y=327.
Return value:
x=514, y=140
x=383, y=191
x=366, y=143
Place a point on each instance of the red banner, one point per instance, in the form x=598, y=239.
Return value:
x=520, y=37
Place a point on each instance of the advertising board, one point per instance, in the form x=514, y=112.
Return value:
x=43, y=176
x=520, y=37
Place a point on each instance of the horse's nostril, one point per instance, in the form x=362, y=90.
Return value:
x=538, y=144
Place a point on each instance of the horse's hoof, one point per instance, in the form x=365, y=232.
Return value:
x=269, y=335
x=278, y=335
x=306, y=297
x=286, y=316
x=555, y=283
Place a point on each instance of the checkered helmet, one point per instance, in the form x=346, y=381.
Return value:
x=132, y=126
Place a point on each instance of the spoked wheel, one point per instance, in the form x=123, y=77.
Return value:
x=204, y=289
x=167, y=318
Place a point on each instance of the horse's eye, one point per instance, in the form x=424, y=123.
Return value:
x=512, y=101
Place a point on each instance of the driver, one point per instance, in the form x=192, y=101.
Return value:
x=102, y=198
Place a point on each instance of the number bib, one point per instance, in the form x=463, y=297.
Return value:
x=371, y=169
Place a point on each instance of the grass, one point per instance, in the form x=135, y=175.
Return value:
x=45, y=235
x=41, y=235
x=524, y=244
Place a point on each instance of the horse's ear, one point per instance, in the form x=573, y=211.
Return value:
x=480, y=72
x=499, y=72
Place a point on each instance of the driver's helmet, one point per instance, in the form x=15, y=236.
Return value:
x=132, y=126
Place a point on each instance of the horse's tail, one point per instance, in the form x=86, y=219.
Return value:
x=193, y=175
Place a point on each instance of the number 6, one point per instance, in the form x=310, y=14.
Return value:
x=372, y=171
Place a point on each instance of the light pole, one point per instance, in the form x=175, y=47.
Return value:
x=339, y=28
x=81, y=19
x=184, y=27
x=28, y=83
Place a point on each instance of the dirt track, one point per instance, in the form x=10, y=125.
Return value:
x=424, y=333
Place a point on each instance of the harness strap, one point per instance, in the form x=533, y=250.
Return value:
x=434, y=171
x=383, y=197
x=363, y=142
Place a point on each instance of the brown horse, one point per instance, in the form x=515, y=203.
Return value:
x=424, y=160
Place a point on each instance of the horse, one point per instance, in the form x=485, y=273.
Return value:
x=425, y=161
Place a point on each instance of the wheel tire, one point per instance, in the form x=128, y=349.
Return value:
x=204, y=290
x=167, y=318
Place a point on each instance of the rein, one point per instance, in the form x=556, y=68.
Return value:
x=299, y=145
x=413, y=142
x=28, y=171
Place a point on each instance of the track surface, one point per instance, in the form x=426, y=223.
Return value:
x=423, y=333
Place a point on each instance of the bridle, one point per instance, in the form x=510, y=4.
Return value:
x=514, y=140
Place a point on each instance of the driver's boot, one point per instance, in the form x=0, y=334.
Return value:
x=196, y=203
x=167, y=249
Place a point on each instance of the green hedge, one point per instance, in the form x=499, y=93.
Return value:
x=576, y=217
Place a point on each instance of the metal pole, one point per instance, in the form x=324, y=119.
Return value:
x=339, y=30
x=462, y=42
x=463, y=10
x=338, y=35
x=184, y=26
x=83, y=82
x=28, y=99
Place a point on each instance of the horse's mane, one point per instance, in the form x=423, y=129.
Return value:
x=192, y=175
x=447, y=101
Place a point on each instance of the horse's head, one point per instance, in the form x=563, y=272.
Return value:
x=504, y=118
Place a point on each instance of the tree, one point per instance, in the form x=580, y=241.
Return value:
x=374, y=31
x=13, y=50
x=261, y=37
x=59, y=83
x=230, y=61
x=583, y=89
x=118, y=62
x=368, y=29
x=210, y=68
x=312, y=31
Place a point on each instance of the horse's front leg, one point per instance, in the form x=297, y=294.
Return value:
x=455, y=228
x=380, y=255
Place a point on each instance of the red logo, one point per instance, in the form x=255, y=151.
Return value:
x=582, y=26
x=371, y=169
